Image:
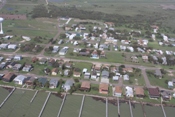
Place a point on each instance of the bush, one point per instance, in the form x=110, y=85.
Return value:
x=76, y=80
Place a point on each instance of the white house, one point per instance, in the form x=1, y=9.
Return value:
x=63, y=51
x=115, y=77
x=17, y=57
x=20, y=79
x=12, y=46
x=129, y=92
x=68, y=84
x=126, y=77
x=26, y=38
x=3, y=46
x=131, y=49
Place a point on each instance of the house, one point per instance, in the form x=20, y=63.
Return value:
x=115, y=78
x=84, y=52
x=131, y=49
x=8, y=77
x=122, y=48
x=29, y=81
x=1, y=75
x=51, y=62
x=139, y=92
x=12, y=46
x=54, y=71
x=158, y=73
x=3, y=65
x=53, y=83
x=143, y=42
x=105, y=80
x=94, y=75
x=166, y=95
x=17, y=58
x=63, y=51
x=17, y=67
x=170, y=85
x=27, y=68
x=68, y=65
x=47, y=71
x=134, y=59
x=154, y=93
x=129, y=92
x=42, y=61
x=85, y=86
x=87, y=75
x=105, y=74
x=3, y=46
x=145, y=58
x=55, y=49
x=114, y=69
x=118, y=91
x=76, y=74
x=34, y=59
x=84, y=70
x=126, y=42
x=128, y=69
x=1, y=58
x=140, y=50
x=68, y=84
x=103, y=88
x=20, y=79
x=95, y=54
x=42, y=81
x=126, y=77
x=96, y=67
x=66, y=72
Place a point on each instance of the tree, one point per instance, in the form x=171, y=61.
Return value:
x=47, y=84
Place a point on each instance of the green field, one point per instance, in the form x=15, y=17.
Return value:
x=170, y=111
x=112, y=110
x=3, y=93
x=153, y=111
x=93, y=108
x=137, y=110
x=52, y=107
x=71, y=106
x=124, y=110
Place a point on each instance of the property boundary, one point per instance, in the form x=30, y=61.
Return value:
x=62, y=105
x=33, y=96
x=82, y=103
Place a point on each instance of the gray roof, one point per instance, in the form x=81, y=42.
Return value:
x=158, y=72
x=69, y=82
x=105, y=73
x=53, y=82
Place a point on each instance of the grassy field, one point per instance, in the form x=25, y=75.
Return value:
x=124, y=110
x=93, y=108
x=169, y=111
x=71, y=106
x=112, y=110
x=137, y=110
x=52, y=107
x=4, y=94
x=152, y=111
x=160, y=82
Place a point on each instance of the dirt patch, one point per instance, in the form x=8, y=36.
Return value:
x=113, y=102
x=8, y=88
x=58, y=95
x=16, y=17
x=99, y=99
x=165, y=6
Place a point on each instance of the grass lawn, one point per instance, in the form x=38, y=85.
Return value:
x=52, y=107
x=124, y=110
x=159, y=82
x=71, y=106
x=112, y=110
x=153, y=111
x=169, y=111
x=93, y=108
x=4, y=94
x=137, y=110
x=155, y=45
x=82, y=65
x=17, y=104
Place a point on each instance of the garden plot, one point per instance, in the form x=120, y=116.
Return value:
x=153, y=111
x=94, y=107
x=124, y=109
x=71, y=106
x=52, y=106
x=112, y=108
x=4, y=93
x=16, y=104
x=137, y=110
x=36, y=105
x=170, y=111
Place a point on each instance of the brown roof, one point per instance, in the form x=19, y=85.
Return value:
x=76, y=73
x=55, y=70
x=8, y=75
x=139, y=91
x=118, y=89
x=103, y=86
x=85, y=84
x=154, y=91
